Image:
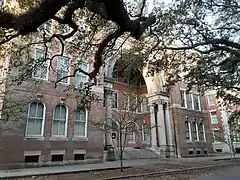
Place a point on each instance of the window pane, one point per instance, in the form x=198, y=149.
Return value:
x=38, y=127
x=57, y=114
x=33, y=108
x=190, y=100
x=62, y=128
x=40, y=108
x=55, y=128
x=79, y=129
x=81, y=115
x=182, y=94
x=30, y=127
x=63, y=112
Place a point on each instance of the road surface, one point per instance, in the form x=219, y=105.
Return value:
x=231, y=173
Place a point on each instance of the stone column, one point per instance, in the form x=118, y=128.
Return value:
x=153, y=127
x=169, y=130
x=108, y=136
x=161, y=130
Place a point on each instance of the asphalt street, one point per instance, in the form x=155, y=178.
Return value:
x=231, y=173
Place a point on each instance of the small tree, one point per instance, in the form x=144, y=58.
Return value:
x=124, y=121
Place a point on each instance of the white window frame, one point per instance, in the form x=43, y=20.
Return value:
x=189, y=131
x=196, y=124
x=209, y=104
x=198, y=99
x=143, y=134
x=141, y=104
x=196, y=130
x=214, y=135
x=66, y=122
x=113, y=101
x=68, y=79
x=126, y=104
x=133, y=140
x=203, y=129
x=212, y=116
x=129, y=103
x=51, y=27
x=47, y=64
x=81, y=74
x=192, y=101
x=86, y=125
x=43, y=121
x=185, y=98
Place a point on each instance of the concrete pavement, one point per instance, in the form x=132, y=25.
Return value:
x=97, y=166
x=232, y=173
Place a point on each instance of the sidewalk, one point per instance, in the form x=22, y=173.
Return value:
x=72, y=168
x=98, y=166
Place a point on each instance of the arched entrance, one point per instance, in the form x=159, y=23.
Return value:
x=149, y=87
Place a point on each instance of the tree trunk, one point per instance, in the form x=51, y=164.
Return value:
x=121, y=152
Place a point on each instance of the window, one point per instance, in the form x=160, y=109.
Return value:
x=216, y=135
x=205, y=151
x=143, y=104
x=40, y=65
x=1, y=3
x=126, y=102
x=145, y=133
x=31, y=159
x=131, y=136
x=80, y=127
x=201, y=132
x=115, y=100
x=133, y=103
x=47, y=27
x=196, y=100
x=190, y=152
x=78, y=157
x=59, y=121
x=211, y=99
x=218, y=150
x=65, y=29
x=80, y=77
x=190, y=101
x=187, y=130
x=194, y=131
x=62, y=69
x=214, y=119
x=183, y=98
x=198, y=152
x=57, y=157
x=35, y=121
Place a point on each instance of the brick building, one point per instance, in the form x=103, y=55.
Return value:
x=218, y=118
x=191, y=122
x=48, y=128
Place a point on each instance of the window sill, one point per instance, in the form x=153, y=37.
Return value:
x=34, y=138
x=80, y=139
x=217, y=142
x=189, y=141
x=58, y=139
x=37, y=78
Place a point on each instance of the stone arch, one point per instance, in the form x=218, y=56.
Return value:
x=154, y=83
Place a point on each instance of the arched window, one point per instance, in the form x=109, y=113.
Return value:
x=201, y=132
x=35, y=120
x=80, y=126
x=188, y=131
x=59, y=124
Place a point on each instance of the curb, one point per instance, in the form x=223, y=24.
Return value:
x=58, y=173
x=170, y=172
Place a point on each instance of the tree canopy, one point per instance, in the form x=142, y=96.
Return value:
x=191, y=40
